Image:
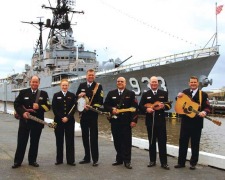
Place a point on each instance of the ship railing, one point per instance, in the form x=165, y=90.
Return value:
x=3, y=80
x=155, y=62
x=18, y=89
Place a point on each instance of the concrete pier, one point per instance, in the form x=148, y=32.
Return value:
x=105, y=171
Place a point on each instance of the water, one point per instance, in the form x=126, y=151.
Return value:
x=212, y=139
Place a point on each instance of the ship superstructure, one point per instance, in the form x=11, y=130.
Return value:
x=62, y=57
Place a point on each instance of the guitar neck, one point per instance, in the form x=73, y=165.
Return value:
x=99, y=112
x=195, y=111
x=37, y=119
x=125, y=110
x=207, y=117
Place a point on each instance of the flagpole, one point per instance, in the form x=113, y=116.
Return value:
x=216, y=24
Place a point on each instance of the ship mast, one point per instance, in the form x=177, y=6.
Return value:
x=39, y=45
x=60, y=22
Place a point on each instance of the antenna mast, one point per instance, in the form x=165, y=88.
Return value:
x=60, y=22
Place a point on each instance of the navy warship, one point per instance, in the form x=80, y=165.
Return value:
x=63, y=58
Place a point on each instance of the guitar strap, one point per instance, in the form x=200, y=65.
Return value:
x=38, y=95
x=200, y=98
x=36, y=101
x=94, y=92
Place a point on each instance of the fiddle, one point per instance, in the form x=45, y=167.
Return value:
x=156, y=105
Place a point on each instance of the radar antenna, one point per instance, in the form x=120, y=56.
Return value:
x=39, y=44
x=60, y=23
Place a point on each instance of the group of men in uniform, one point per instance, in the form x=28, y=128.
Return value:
x=123, y=108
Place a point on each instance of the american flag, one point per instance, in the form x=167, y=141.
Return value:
x=219, y=9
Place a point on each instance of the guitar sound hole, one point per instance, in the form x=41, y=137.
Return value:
x=190, y=108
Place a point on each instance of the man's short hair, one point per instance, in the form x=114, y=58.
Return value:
x=35, y=76
x=193, y=77
x=90, y=70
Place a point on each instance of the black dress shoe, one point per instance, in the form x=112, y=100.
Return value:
x=165, y=166
x=151, y=164
x=72, y=164
x=192, y=167
x=58, y=163
x=35, y=164
x=84, y=162
x=16, y=165
x=179, y=166
x=95, y=163
x=116, y=163
x=128, y=165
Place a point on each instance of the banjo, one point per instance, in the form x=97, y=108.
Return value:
x=82, y=102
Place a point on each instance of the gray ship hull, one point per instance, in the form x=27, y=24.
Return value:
x=173, y=77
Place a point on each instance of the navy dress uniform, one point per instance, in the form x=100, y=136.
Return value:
x=191, y=128
x=64, y=106
x=89, y=121
x=156, y=124
x=25, y=99
x=120, y=126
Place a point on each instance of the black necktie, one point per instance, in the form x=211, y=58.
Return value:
x=88, y=85
x=191, y=93
x=33, y=92
x=154, y=92
x=120, y=93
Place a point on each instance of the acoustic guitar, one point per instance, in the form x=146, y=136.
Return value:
x=51, y=125
x=185, y=105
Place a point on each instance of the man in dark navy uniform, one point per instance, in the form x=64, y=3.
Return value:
x=63, y=106
x=89, y=119
x=155, y=121
x=191, y=128
x=24, y=102
x=122, y=123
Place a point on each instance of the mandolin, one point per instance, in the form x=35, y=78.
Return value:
x=156, y=104
x=185, y=105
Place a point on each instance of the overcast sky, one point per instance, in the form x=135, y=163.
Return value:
x=145, y=29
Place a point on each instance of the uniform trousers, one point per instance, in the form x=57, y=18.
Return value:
x=185, y=135
x=159, y=133
x=67, y=130
x=24, y=132
x=89, y=128
x=122, y=138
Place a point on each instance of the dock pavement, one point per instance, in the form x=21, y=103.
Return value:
x=104, y=171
